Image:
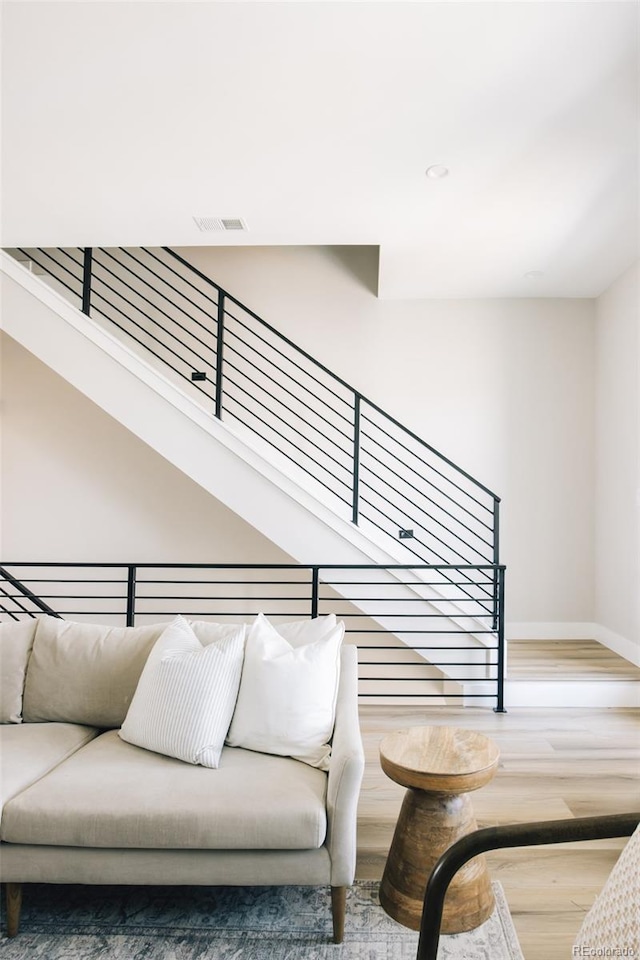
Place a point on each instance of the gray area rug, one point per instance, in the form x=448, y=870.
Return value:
x=230, y=923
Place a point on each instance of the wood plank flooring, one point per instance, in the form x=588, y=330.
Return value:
x=567, y=659
x=554, y=763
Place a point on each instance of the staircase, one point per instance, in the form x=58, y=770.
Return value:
x=569, y=673
x=272, y=433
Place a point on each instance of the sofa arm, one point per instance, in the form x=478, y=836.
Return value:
x=345, y=774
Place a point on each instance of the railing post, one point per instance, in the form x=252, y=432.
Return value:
x=219, y=354
x=86, y=280
x=356, y=456
x=499, y=707
x=131, y=595
x=496, y=557
x=314, y=592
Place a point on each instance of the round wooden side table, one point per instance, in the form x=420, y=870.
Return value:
x=438, y=765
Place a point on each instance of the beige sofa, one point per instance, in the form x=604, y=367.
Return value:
x=81, y=805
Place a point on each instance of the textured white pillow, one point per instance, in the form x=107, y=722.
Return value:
x=298, y=632
x=287, y=698
x=186, y=695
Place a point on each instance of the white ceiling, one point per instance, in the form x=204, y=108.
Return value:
x=315, y=122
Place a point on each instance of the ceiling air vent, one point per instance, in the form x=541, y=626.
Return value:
x=220, y=223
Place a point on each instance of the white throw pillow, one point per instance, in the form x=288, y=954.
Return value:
x=298, y=632
x=186, y=695
x=287, y=698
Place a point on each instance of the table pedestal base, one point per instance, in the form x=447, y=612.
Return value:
x=429, y=824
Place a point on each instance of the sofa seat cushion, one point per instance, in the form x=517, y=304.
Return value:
x=114, y=794
x=30, y=750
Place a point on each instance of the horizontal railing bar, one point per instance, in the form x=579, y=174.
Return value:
x=439, y=677
x=441, y=567
x=96, y=293
x=25, y=592
x=51, y=580
x=426, y=513
x=208, y=329
x=79, y=263
x=399, y=631
x=334, y=376
x=76, y=293
x=256, y=566
x=425, y=463
x=17, y=602
x=181, y=276
x=428, y=446
x=417, y=583
x=230, y=397
x=75, y=596
x=283, y=388
x=225, y=583
x=152, y=596
x=287, y=358
x=194, y=384
x=282, y=453
x=264, y=323
x=58, y=264
x=11, y=614
x=207, y=613
x=448, y=647
x=429, y=548
x=298, y=399
x=422, y=696
x=451, y=499
x=102, y=266
x=398, y=525
x=385, y=614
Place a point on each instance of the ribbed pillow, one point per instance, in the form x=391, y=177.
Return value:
x=186, y=695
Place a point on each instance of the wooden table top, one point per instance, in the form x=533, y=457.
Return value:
x=441, y=759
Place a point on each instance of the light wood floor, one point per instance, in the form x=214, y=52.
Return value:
x=570, y=659
x=554, y=763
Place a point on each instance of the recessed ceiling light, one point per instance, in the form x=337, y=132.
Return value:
x=437, y=171
x=534, y=274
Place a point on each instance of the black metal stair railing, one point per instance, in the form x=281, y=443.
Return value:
x=369, y=468
x=407, y=651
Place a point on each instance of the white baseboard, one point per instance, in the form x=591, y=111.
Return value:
x=620, y=645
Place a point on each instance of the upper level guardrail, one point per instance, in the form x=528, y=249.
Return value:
x=407, y=649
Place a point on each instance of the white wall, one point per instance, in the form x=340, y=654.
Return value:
x=617, y=547
x=76, y=485
x=505, y=388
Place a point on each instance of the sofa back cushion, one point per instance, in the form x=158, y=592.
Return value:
x=16, y=641
x=85, y=673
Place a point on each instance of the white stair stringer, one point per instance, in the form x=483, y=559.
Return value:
x=153, y=408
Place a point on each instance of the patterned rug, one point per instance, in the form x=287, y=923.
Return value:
x=230, y=923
